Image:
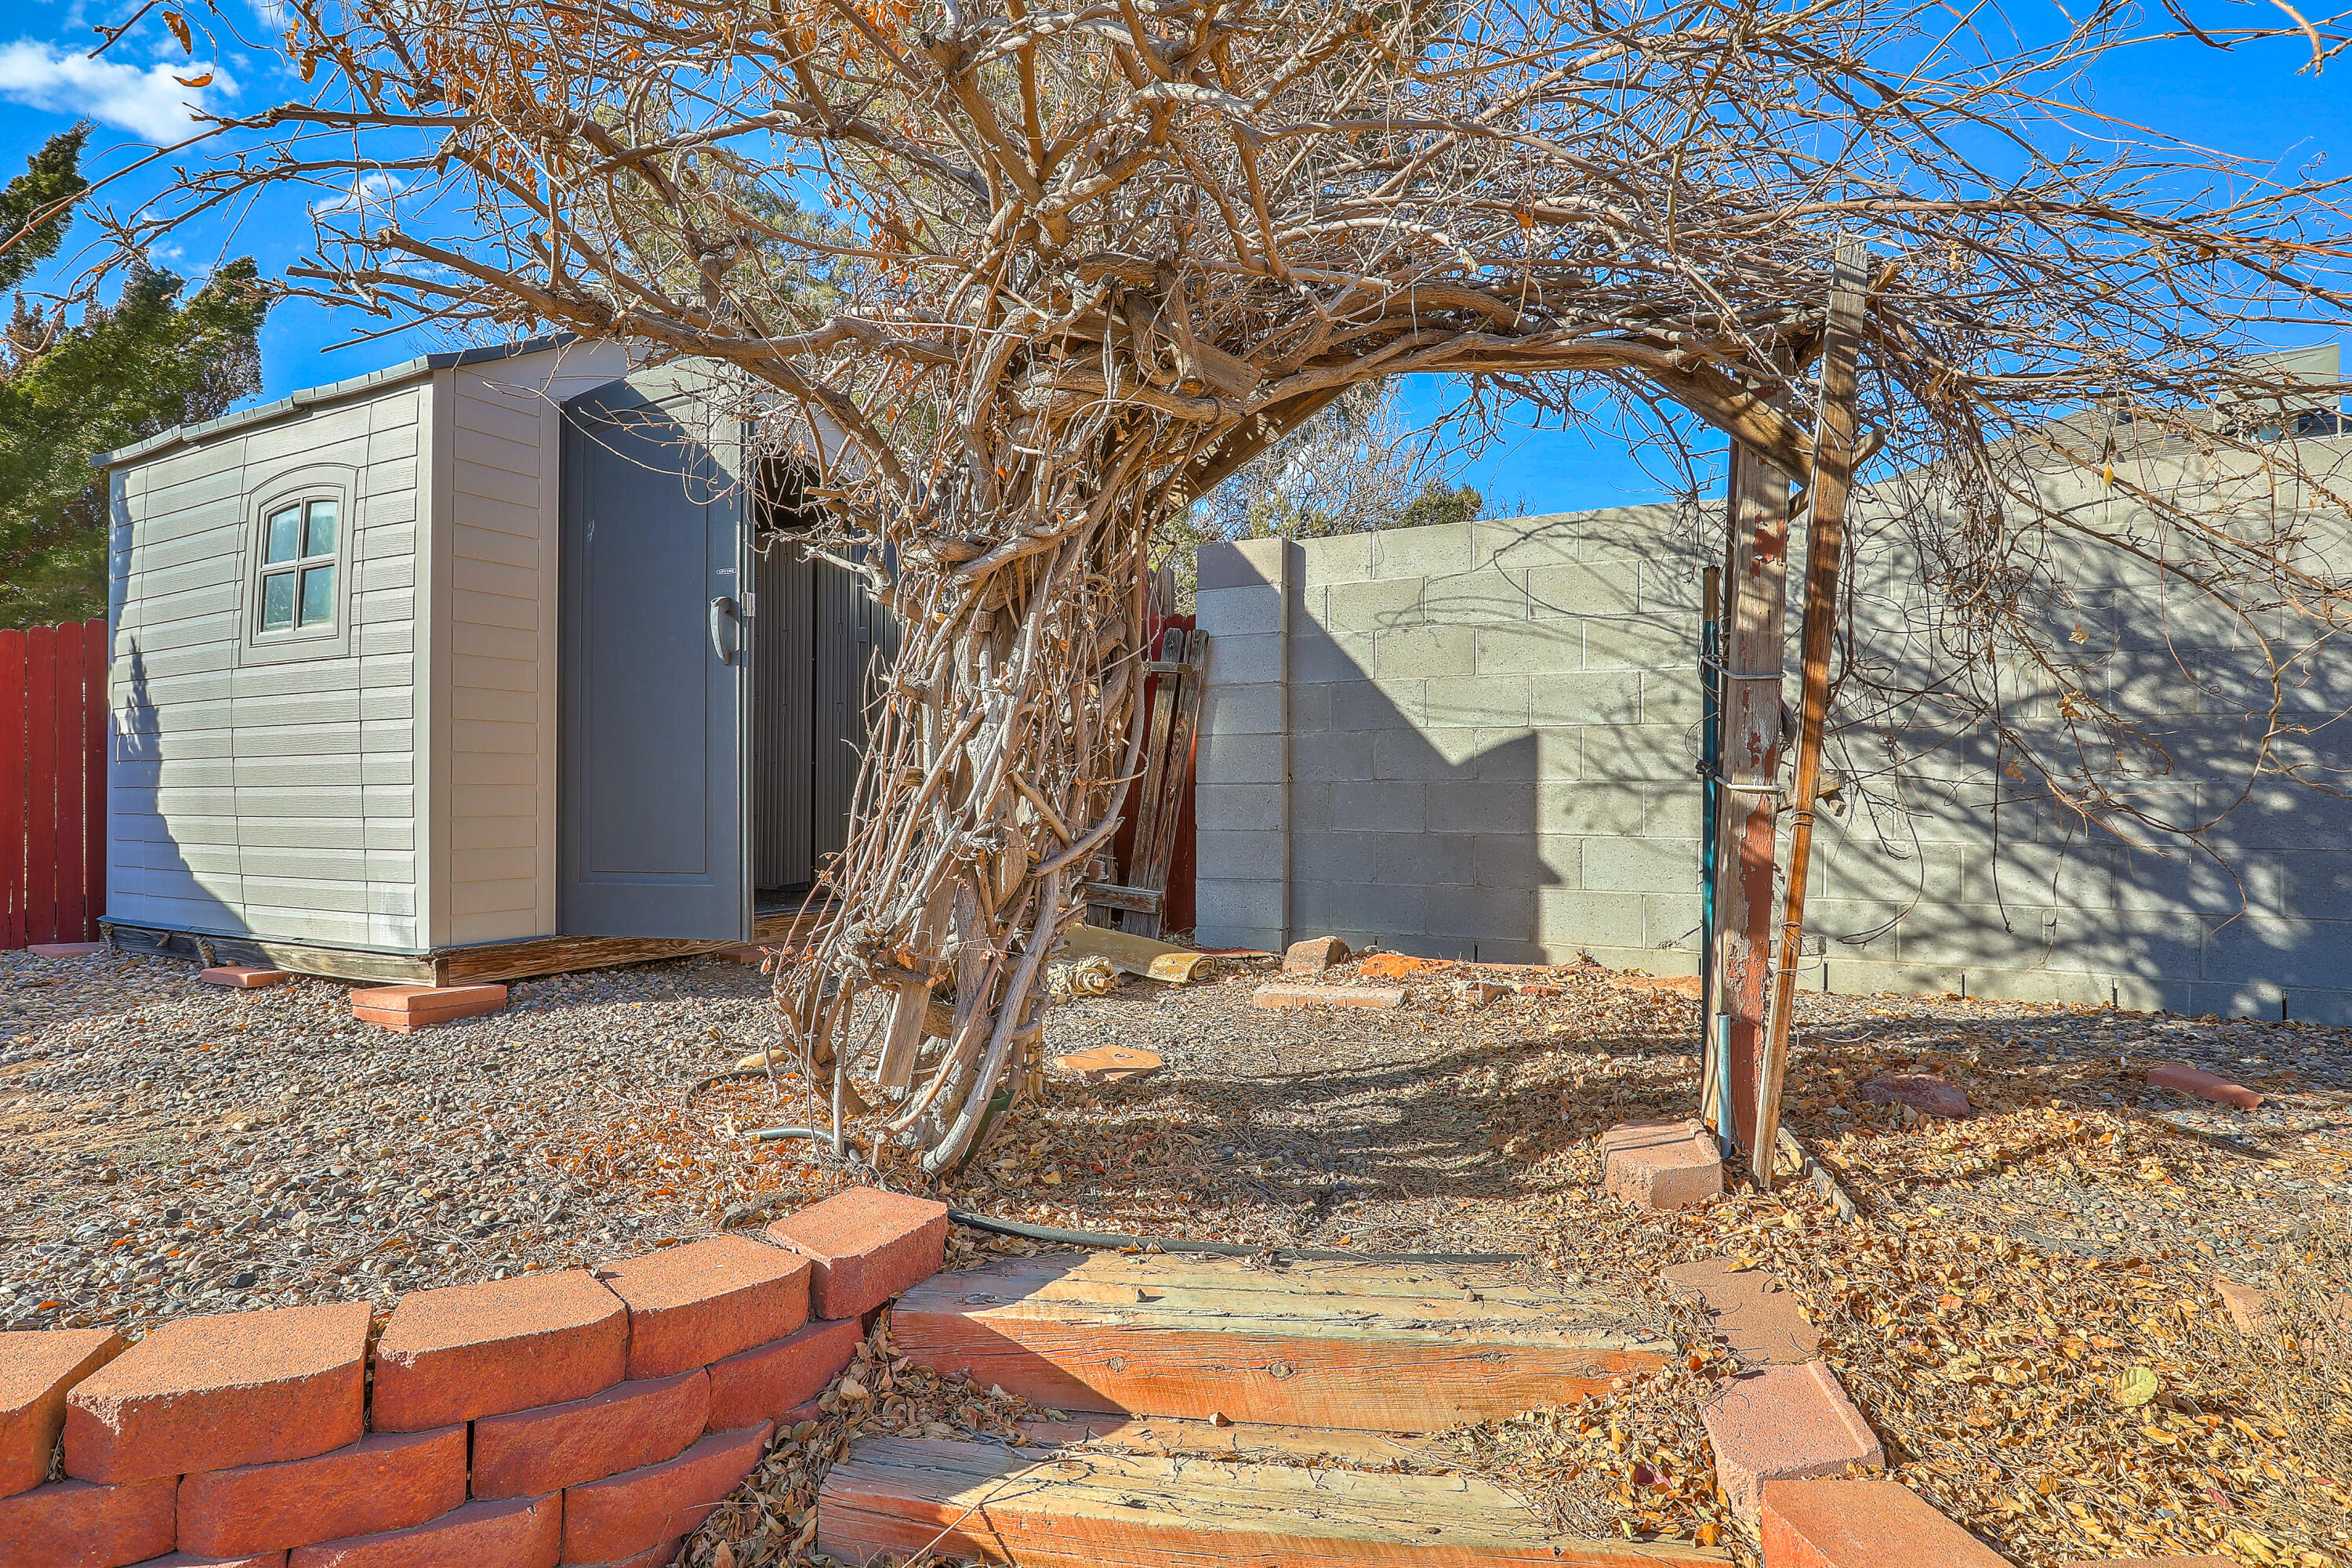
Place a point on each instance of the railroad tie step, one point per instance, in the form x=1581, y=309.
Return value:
x=1086, y=1509
x=1376, y=1347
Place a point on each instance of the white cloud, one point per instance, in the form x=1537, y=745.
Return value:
x=149, y=103
x=367, y=191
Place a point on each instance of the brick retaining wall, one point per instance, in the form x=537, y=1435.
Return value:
x=569, y=1417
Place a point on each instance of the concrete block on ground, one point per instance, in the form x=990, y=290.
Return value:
x=526, y=1453
x=468, y=1351
x=1661, y=1164
x=1276, y=997
x=408, y=1008
x=613, y=1519
x=517, y=1533
x=38, y=1369
x=1758, y=1316
x=691, y=1305
x=766, y=1384
x=86, y=1524
x=234, y=1388
x=1783, y=1424
x=1862, y=1524
x=863, y=1247
x=386, y=1480
x=242, y=977
x=1314, y=955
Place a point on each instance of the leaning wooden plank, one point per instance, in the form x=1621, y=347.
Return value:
x=1150, y=871
x=1000, y=1505
x=1147, y=825
x=1319, y=1354
x=1138, y=955
x=1111, y=895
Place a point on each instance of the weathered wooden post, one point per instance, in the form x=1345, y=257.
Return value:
x=1825, y=497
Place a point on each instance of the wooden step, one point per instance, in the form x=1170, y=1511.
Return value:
x=1169, y=1438
x=997, y=1504
x=1371, y=1347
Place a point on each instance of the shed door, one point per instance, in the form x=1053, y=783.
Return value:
x=655, y=676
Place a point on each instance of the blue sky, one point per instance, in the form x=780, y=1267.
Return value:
x=2252, y=102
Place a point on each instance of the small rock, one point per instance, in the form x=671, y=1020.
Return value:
x=1923, y=1092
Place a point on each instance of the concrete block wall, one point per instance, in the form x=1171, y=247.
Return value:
x=572, y=1415
x=1480, y=740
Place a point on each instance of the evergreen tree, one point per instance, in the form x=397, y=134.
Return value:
x=71, y=388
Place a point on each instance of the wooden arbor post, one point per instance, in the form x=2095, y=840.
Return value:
x=1756, y=589
x=1826, y=497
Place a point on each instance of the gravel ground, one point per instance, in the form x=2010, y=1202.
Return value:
x=167, y=1147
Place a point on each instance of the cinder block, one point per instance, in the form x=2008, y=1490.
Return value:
x=469, y=1351
x=234, y=1388
x=1640, y=865
x=1234, y=913
x=1483, y=805
x=1340, y=754
x=1523, y=860
x=522, y=1533
x=1244, y=563
x=82, y=1524
x=1406, y=653
x=1377, y=805
x=1661, y=1164
x=863, y=1247
x=1242, y=711
x=1374, y=606
x=1586, y=697
x=1319, y=656
x=1521, y=544
x=1862, y=1524
x=691, y=1305
x=1494, y=700
x=1585, y=588
x=1246, y=659
x=1238, y=807
x=609, y=1520
x=1240, y=759
x=762, y=1385
x=1522, y=647
x=1421, y=551
x=38, y=1369
x=1238, y=612
x=1784, y=1424
x=1413, y=756
x=1486, y=917
x=1640, y=642
x=1236, y=854
x=526, y=1453
x=386, y=1480
x=1334, y=558
x=1479, y=596
x=243, y=978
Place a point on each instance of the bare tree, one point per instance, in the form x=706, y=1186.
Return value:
x=1086, y=260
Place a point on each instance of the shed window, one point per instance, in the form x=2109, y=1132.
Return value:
x=297, y=566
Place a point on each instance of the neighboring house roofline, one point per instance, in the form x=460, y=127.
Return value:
x=334, y=392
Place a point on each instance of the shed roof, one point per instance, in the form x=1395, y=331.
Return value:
x=334, y=392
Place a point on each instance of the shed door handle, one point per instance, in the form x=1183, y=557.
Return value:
x=722, y=628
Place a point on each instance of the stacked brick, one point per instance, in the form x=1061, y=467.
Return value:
x=587, y=1416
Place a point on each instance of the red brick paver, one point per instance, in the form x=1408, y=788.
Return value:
x=1862, y=1524
x=386, y=1480
x=763, y=1384
x=519, y=1532
x=452, y=1354
x=1784, y=1422
x=234, y=1388
x=615, y=1519
x=242, y=977
x=82, y=1524
x=689, y=1306
x=864, y=1246
x=408, y=1008
x=1276, y=997
x=2182, y=1078
x=1661, y=1164
x=37, y=1369
x=626, y=1428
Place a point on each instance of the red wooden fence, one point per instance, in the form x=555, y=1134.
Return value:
x=53, y=781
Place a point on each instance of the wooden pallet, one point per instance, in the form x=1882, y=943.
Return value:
x=1354, y=1346
x=1091, y=1509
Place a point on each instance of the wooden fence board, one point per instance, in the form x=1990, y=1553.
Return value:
x=68, y=798
x=96, y=707
x=41, y=786
x=13, y=762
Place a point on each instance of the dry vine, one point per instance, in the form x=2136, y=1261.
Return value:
x=1083, y=260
